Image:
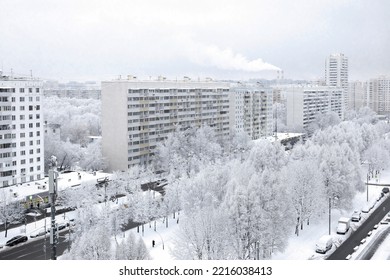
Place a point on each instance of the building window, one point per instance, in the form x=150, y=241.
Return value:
x=30, y=90
x=21, y=90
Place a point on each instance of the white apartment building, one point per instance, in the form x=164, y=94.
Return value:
x=336, y=74
x=138, y=114
x=305, y=102
x=378, y=95
x=357, y=95
x=251, y=110
x=21, y=130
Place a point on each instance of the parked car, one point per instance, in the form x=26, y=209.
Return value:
x=16, y=240
x=356, y=216
x=37, y=233
x=343, y=225
x=62, y=226
x=324, y=244
x=385, y=190
x=366, y=209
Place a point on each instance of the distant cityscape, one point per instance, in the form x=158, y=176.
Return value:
x=137, y=114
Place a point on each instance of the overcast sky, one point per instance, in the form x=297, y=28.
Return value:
x=228, y=39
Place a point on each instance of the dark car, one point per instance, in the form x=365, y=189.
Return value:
x=385, y=190
x=62, y=226
x=16, y=240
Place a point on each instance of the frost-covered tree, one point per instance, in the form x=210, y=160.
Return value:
x=322, y=121
x=306, y=190
x=78, y=118
x=341, y=173
x=10, y=210
x=186, y=149
x=266, y=154
x=131, y=248
x=245, y=218
x=280, y=116
x=203, y=236
x=67, y=153
x=377, y=155
x=94, y=243
x=91, y=157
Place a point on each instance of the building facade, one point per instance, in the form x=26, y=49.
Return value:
x=357, y=95
x=336, y=74
x=21, y=130
x=251, y=110
x=304, y=103
x=378, y=95
x=139, y=114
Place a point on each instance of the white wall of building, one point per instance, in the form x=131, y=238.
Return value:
x=139, y=114
x=21, y=130
x=304, y=103
x=251, y=110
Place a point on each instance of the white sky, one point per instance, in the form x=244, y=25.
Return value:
x=99, y=39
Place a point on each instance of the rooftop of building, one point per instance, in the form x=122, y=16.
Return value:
x=159, y=79
x=16, y=77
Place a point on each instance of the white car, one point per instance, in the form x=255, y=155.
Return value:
x=38, y=232
x=366, y=209
x=356, y=216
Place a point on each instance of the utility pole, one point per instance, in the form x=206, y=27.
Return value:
x=330, y=209
x=53, y=194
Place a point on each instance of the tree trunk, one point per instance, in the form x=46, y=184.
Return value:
x=6, y=229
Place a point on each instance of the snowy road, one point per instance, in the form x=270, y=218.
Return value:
x=347, y=247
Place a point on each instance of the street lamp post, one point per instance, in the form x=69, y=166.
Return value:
x=330, y=205
x=367, y=187
x=331, y=198
x=368, y=177
x=161, y=238
x=53, y=193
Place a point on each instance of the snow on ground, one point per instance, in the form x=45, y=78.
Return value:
x=33, y=228
x=163, y=236
x=65, y=180
x=300, y=247
x=383, y=252
x=303, y=246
